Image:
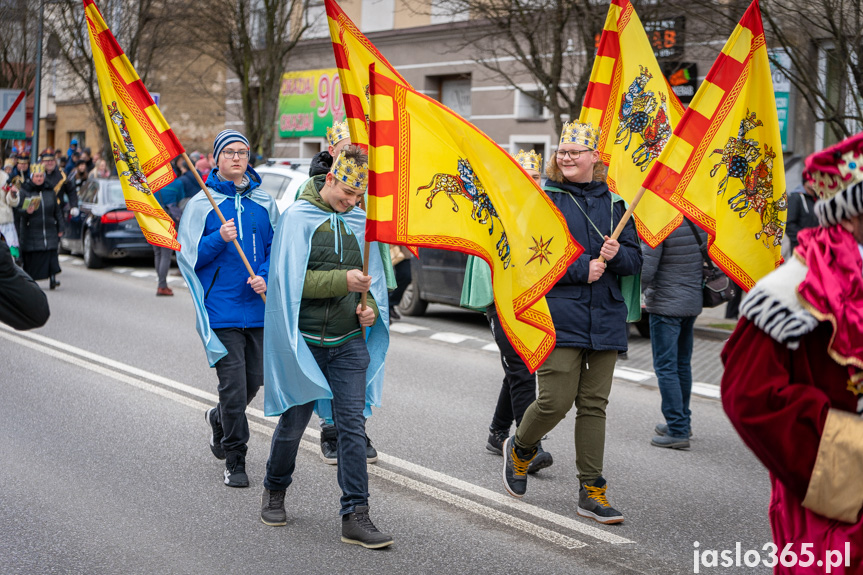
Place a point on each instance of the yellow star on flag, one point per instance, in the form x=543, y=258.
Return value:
x=540, y=249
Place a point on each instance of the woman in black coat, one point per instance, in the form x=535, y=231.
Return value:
x=40, y=228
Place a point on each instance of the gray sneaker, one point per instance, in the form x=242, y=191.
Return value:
x=662, y=429
x=329, y=445
x=593, y=503
x=216, y=433
x=358, y=529
x=670, y=442
x=273, y=508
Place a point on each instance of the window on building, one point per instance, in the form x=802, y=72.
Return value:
x=529, y=106
x=378, y=15
x=453, y=92
x=444, y=11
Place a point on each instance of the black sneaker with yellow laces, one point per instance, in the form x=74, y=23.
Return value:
x=593, y=503
x=515, y=464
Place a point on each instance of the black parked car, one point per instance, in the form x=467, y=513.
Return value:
x=436, y=277
x=104, y=228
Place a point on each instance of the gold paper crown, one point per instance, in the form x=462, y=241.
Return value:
x=348, y=171
x=338, y=132
x=529, y=160
x=584, y=134
x=37, y=169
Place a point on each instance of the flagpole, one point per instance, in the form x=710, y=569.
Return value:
x=363, y=297
x=628, y=214
x=222, y=218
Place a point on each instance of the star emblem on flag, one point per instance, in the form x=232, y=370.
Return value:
x=540, y=250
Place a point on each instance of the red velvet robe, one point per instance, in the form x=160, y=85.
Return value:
x=778, y=399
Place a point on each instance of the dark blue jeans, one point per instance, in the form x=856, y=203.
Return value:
x=671, y=338
x=345, y=367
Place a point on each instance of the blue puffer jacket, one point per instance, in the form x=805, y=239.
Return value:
x=592, y=316
x=230, y=301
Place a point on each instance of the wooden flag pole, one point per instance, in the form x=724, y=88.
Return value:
x=221, y=217
x=363, y=297
x=628, y=214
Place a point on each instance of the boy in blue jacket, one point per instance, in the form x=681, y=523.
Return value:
x=228, y=302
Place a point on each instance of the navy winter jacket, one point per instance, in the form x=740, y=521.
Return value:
x=592, y=315
x=230, y=301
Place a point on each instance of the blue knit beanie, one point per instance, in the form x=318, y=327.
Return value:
x=226, y=137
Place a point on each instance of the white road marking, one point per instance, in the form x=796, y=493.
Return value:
x=450, y=337
x=121, y=270
x=402, y=327
x=133, y=376
x=490, y=347
x=632, y=374
x=706, y=390
x=140, y=274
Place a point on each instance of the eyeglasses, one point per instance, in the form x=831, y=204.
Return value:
x=561, y=154
x=231, y=154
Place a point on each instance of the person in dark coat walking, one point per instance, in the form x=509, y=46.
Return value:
x=672, y=283
x=23, y=305
x=40, y=227
x=589, y=315
x=801, y=212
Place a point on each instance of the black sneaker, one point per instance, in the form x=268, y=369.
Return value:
x=371, y=452
x=496, y=437
x=235, y=470
x=515, y=464
x=592, y=503
x=273, y=508
x=542, y=460
x=216, y=433
x=358, y=529
x=329, y=445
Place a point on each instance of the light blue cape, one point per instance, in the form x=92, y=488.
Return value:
x=291, y=374
x=189, y=235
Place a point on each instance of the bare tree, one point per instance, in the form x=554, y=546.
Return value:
x=254, y=40
x=18, y=43
x=823, y=41
x=142, y=27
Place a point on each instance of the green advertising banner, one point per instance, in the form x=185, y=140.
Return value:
x=309, y=102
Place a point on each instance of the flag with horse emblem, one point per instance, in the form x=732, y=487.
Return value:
x=142, y=142
x=354, y=53
x=723, y=165
x=631, y=101
x=436, y=181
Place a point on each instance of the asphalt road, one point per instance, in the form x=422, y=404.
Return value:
x=106, y=468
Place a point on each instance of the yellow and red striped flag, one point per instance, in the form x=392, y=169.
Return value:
x=436, y=181
x=633, y=104
x=723, y=165
x=143, y=143
x=354, y=53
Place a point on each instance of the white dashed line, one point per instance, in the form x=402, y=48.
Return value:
x=200, y=399
x=450, y=337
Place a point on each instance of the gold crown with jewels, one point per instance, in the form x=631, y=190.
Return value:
x=529, y=160
x=584, y=134
x=338, y=132
x=37, y=169
x=348, y=171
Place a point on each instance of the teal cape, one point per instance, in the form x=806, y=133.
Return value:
x=189, y=235
x=476, y=291
x=291, y=374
